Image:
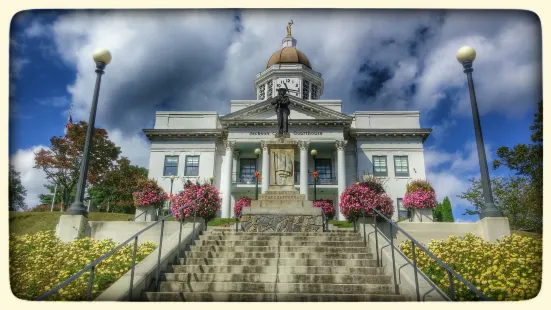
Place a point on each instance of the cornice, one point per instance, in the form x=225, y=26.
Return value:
x=390, y=133
x=178, y=134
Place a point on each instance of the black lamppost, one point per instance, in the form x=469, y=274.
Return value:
x=314, y=153
x=466, y=55
x=172, y=178
x=256, y=176
x=102, y=57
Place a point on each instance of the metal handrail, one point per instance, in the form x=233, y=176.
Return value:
x=139, y=215
x=414, y=243
x=134, y=237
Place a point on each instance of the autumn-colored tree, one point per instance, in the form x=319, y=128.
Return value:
x=61, y=161
x=117, y=185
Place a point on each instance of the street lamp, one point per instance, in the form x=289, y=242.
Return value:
x=102, y=57
x=466, y=55
x=256, y=174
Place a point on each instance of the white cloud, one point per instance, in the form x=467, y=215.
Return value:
x=450, y=172
x=32, y=179
x=37, y=29
x=135, y=147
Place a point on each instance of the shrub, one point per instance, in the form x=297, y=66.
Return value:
x=419, y=195
x=360, y=196
x=204, y=197
x=43, y=208
x=151, y=194
x=242, y=202
x=508, y=269
x=40, y=261
x=327, y=206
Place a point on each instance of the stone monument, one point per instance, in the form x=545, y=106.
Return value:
x=281, y=207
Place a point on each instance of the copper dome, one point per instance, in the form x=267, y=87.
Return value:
x=289, y=55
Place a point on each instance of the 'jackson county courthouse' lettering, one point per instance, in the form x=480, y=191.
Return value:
x=198, y=145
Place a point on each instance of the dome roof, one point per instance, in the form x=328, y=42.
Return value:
x=289, y=55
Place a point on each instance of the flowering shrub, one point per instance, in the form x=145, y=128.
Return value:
x=419, y=195
x=204, y=197
x=242, y=202
x=508, y=269
x=327, y=207
x=150, y=194
x=360, y=196
x=40, y=261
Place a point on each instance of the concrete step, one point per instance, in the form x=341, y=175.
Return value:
x=275, y=249
x=280, y=262
x=283, y=238
x=281, y=278
x=252, y=287
x=259, y=297
x=240, y=232
x=296, y=255
x=276, y=242
x=293, y=270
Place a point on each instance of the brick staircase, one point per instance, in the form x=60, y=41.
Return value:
x=227, y=266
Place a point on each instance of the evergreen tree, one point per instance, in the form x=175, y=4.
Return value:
x=447, y=214
x=17, y=192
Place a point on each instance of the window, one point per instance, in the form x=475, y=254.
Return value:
x=401, y=166
x=323, y=167
x=192, y=166
x=379, y=166
x=171, y=165
x=247, y=169
x=402, y=212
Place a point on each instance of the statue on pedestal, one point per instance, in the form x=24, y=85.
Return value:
x=281, y=101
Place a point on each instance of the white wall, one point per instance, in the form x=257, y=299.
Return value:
x=186, y=120
x=395, y=186
x=159, y=149
x=386, y=119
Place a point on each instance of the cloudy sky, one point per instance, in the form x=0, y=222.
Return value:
x=200, y=60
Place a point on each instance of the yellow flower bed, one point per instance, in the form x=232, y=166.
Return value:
x=40, y=261
x=508, y=269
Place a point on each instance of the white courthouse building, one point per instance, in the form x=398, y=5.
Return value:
x=198, y=145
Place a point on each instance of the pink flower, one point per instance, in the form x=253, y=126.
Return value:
x=359, y=196
x=150, y=194
x=242, y=202
x=327, y=207
x=203, y=199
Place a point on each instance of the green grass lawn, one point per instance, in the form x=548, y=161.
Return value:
x=32, y=222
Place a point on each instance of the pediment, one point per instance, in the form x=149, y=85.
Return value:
x=300, y=109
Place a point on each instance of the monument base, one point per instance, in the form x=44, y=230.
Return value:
x=281, y=223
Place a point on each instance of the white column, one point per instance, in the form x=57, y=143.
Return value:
x=341, y=145
x=304, y=167
x=265, y=167
x=226, y=187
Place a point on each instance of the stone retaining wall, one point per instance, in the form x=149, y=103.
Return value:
x=280, y=223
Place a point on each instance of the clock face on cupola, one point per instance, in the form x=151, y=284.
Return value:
x=289, y=68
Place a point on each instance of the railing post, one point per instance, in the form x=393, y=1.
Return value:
x=376, y=236
x=415, y=270
x=180, y=237
x=452, y=290
x=90, y=283
x=236, y=223
x=194, y=214
x=391, y=237
x=365, y=236
x=133, y=268
x=159, y=257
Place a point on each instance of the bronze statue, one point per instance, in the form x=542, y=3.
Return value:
x=281, y=101
x=289, y=28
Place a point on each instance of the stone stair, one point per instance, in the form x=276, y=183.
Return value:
x=227, y=266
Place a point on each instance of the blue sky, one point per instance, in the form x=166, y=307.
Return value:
x=184, y=60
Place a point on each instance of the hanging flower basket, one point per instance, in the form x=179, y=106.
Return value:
x=203, y=199
x=362, y=196
x=327, y=207
x=420, y=199
x=242, y=202
x=148, y=200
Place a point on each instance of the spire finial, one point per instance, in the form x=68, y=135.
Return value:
x=289, y=28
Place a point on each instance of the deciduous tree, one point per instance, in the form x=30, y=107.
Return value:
x=61, y=161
